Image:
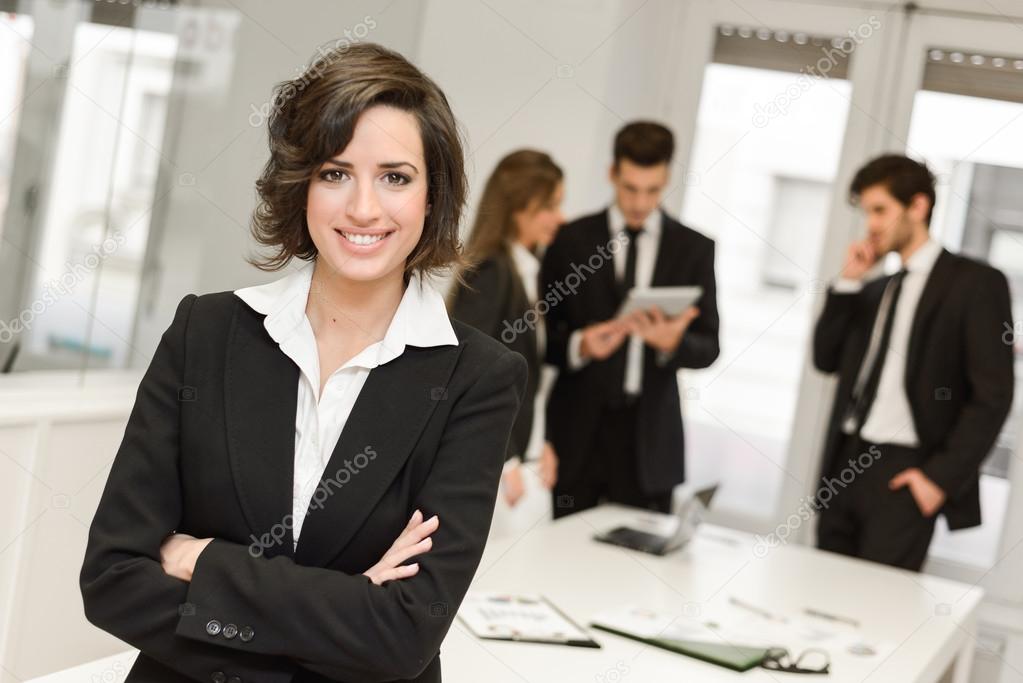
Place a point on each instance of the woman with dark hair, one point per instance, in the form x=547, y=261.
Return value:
x=519, y=212
x=293, y=445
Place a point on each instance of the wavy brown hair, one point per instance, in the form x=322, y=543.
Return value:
x=519, y=179
x=312, y=119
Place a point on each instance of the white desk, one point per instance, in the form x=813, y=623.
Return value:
x=928, y=620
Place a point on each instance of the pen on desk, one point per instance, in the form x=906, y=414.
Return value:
x=756, y=610
x=830, y=617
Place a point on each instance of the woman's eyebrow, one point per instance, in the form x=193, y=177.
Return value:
x=385, y=164
x=398, y=164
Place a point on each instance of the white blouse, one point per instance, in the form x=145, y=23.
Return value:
x=528, y=267
x=421, y=319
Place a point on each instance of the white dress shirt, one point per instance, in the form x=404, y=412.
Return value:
x=421, y=319
x=528, y=267
x=646, y=256
x=890, y=419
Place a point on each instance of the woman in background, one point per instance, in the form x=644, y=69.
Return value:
x=519, y=212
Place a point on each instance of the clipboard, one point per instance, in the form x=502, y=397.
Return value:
x=521, y=618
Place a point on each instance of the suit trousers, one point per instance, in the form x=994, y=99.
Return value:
x=862, y=517
x=611, y=473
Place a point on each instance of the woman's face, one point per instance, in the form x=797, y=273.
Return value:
x=366, y=207
x=539, y=222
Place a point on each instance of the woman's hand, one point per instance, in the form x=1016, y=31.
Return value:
x=413, y=540
x=179, y=553
x=514, y=487
x=548, y=466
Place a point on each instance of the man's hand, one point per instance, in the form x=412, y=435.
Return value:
x=860, y=258
x=600, y=340
x=548, y=466
x=179, y=553
x=928, y=496
x=413, y=540
x=664, y=334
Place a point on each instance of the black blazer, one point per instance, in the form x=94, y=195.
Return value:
x=959, y=371
x=684, y=257
x=209, y=451
x=495, y=303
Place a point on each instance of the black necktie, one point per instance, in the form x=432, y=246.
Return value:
x=864, y=397
x=629, y=281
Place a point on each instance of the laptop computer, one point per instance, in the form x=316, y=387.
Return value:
x=690, y=515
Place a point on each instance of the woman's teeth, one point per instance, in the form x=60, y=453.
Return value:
x=363, y=239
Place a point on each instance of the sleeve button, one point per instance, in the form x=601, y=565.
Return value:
x=230, y=631
x=246, y=634
x=213, y=627
x=218, y=677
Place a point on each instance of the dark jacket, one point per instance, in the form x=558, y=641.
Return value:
x=209, y=451
x=495, y=303
x=578, y=295
x=959, y=371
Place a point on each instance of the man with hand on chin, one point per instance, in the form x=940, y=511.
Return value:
x=925, y=380
x=614, y=416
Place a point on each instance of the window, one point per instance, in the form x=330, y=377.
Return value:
x=978, y=212
x=765, y=153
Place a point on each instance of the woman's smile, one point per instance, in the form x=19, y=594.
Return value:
x=363, y=242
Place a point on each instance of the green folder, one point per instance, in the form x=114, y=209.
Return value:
x=735, y=657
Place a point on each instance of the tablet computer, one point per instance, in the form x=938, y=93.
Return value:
x=671, y=300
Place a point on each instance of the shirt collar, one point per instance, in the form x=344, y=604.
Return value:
x=282, y=301
x=421, y=318
x=923, y=259
x=523, y=257
x=616, y=221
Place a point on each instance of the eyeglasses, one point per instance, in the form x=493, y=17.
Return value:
x=811, y=661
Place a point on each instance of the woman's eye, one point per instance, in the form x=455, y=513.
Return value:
x=396, y=179
x=333, y=175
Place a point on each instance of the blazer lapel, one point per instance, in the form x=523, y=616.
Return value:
x=667, y=255
x=518, y=304
x=260, y=395
x=391, y=411
x=606, y=271
x=938, y=282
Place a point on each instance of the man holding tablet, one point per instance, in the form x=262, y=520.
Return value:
x=614, y=415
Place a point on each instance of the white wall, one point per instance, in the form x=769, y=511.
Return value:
x=58, y=438
x=560, y=76
x=205, y=224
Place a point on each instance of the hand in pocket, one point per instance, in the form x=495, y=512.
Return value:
x=928, y=496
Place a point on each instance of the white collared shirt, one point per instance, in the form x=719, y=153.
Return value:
x=421, y=319
x=646, y=257
x=890, y=419
x=528, y=267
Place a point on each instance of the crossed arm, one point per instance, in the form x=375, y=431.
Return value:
x=339, y=625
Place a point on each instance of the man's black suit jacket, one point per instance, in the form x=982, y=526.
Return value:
x=578, y=283
x=209, y=451
x=959, y=371
x=494, y=301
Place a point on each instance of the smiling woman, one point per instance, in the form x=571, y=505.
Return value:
x=377, y=209
x=338, y=404
x=402, y=157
